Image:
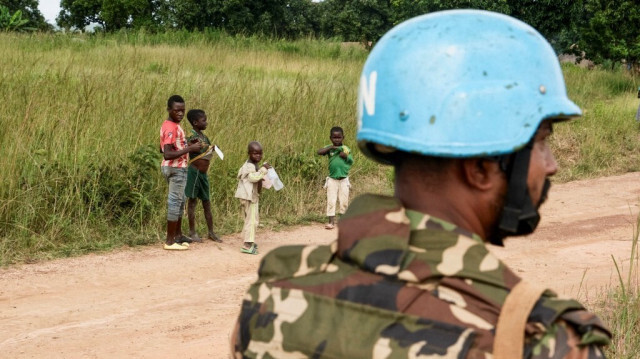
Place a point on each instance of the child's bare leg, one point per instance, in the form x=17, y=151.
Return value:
x=206, y=206
x=179, y=228
x=191, y=214
x=171, y=232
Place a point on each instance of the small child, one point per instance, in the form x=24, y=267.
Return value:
x=197, y=179
x=250, y=178
x=337, y=184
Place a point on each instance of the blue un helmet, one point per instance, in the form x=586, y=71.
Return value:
x=459, y=84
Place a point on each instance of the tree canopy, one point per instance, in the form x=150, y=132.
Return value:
x=601, y=30
x=611, y=32
x=28, y=11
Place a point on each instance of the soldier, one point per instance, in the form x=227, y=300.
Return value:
x=461, y=103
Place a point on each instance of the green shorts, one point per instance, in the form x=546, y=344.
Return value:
x=197, y=184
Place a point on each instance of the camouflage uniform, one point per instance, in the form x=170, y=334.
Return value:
x=398, y=284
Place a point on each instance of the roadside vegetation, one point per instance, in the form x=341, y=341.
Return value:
x=82, y=114
x=619, y=305
x=81, y=121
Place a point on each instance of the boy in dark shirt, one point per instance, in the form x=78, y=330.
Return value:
x=337, y=184
x=197, y=180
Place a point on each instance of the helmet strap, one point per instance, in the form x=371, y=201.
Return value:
x=519, y=215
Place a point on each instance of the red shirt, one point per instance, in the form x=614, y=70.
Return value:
x=172, y=134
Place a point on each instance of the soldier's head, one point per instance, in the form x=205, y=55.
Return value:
x=463, y=101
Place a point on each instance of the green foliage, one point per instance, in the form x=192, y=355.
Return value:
x=290, y=19
x=82, y=175
x=611, y=32
x=29, y=14
x=11, y=22
x=604, y=29
x=111, y=15
x=557, y=20
x=405, y=9
x=619, y=308
x=363, y=21
x=79, y=13
x=124, y=190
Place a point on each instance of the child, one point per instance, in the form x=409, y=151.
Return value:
x=337, y=184
x=197, y=179
x=249, y=187
x=174, y=169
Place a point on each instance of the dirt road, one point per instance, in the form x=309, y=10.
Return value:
x=150, y=303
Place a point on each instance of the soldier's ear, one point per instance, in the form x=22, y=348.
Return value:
x=480, y=174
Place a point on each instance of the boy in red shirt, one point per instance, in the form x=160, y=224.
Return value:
x=174, y=169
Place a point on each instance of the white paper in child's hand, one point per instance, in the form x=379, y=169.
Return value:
x=219, y=152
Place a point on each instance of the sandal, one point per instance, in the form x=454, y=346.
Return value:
x=252, y=250
x=214, y=237
x=176, y=247
x=184, y=239
x=328, y=226
x=196, y=238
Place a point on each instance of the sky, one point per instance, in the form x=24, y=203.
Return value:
x=49, y=9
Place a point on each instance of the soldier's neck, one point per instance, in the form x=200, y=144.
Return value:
x=446, y=202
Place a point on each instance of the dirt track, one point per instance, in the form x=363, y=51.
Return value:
x=149, y=303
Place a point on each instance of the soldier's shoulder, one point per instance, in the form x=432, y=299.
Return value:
x=295, y=261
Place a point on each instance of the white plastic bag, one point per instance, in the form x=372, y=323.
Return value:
x=273, y=176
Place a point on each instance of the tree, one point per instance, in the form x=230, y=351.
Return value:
x=611, y=32
x=190, y=14
x=406, y=9
x=119, y=14
x=556, y=20
x=29, y=11
x=364, y=21
x=279, y=18
x=79, y=13
x=111, y=15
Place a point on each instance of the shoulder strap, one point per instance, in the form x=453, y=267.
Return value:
x=509, y=339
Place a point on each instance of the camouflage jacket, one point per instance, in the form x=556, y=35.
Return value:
x=398, y=284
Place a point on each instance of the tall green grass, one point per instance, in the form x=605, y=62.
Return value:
x=81, y=117
x=619, y=306
x=605, y=140
x=81, y=123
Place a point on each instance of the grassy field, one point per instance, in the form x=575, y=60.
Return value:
x=82, y=117
x=81, y=127
x=82, y=114
x=619, y=306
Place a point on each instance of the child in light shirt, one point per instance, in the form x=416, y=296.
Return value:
x=248, y=191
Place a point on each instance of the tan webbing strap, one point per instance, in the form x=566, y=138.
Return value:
x=509, y=339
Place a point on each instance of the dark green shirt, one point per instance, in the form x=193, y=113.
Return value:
x=338, y=166
x=204, y=139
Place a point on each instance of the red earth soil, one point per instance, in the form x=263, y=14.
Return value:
x=149, y=303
